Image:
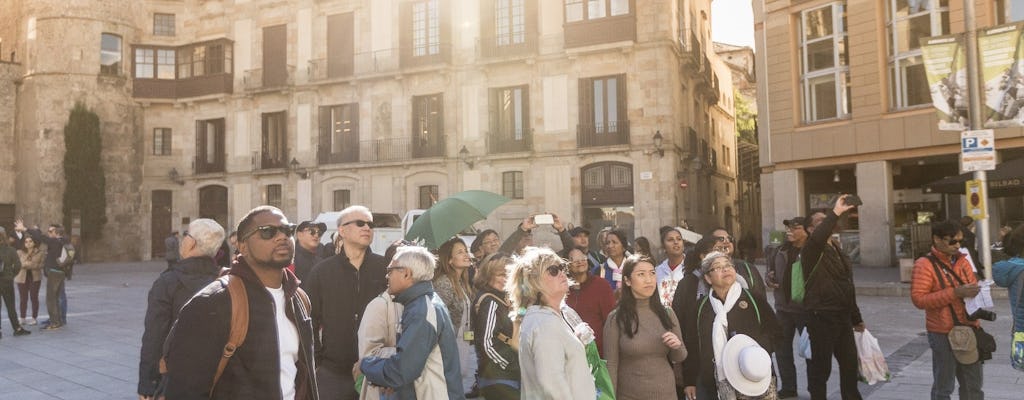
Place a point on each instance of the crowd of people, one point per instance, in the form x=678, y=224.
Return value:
x=27, y=255
x=503, y=319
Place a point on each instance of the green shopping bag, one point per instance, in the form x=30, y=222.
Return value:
x=796, y=282
x=599, y=368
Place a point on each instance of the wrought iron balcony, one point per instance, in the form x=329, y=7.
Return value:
x=605, y=134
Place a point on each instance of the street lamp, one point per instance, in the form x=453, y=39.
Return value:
x=657, y=144
x=464, y=157
x=294, y=167
x=175, y=177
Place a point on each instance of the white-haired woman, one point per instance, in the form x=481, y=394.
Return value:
x=551, y=348
x=728, y=310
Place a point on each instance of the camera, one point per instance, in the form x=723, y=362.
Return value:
x=853, y=200
x=982, y=314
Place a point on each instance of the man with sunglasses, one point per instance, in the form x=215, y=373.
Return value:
x=340, y=287
x=830, y=302
x=941, y=281
x=276, y=359
x=307, y=239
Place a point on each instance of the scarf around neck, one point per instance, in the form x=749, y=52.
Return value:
x=720, y=327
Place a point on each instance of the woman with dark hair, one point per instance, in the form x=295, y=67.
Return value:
x=615, y=245
x=485, y=244
x=29, y=279
x=1010, y=274
x=638, y=336
x=498, y=368
x=643, y=246
x=591, y=297
x=451, y=283
x=670, y=272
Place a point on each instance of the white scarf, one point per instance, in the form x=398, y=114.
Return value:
x=720, y=327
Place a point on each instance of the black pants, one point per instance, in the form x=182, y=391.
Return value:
x=792, y=324
x=335, y=384
x=831, y=335
x=7, y=294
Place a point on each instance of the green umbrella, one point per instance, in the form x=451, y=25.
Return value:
x=451, y=215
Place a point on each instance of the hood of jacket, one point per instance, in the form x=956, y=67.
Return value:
x=195, y=272
x=415, y=291
x=242, y=269
x=1005, y=272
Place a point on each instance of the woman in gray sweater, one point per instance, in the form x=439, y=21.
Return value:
x=639, y=335
x=551, y=353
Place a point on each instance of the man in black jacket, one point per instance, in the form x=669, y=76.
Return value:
x=831, y=305
x=10, y=264
x=307, y=246
x=171, y=290
x=276, y=359
x=340, y=287
x=790, y=314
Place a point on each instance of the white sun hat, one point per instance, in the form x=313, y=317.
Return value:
x=747, y=365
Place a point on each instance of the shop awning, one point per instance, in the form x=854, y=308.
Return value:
x=1006, y=180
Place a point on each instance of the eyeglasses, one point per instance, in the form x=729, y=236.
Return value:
x=554, y=270
x=721, y=268
x=268, y=232
x=359, y=223
x=314, y=231
x=724, y=238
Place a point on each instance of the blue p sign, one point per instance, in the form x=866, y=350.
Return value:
x=969, y=143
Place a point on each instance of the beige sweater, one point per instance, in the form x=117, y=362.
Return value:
x=31, y=262
x=639, y=366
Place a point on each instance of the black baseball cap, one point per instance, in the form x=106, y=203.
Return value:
x=312, y=224
x=802, y=221
x=578, y=230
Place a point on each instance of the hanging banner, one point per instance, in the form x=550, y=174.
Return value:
x=946, y=69
x=1002, y=74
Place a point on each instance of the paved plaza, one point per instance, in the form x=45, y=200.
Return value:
x=96, y=355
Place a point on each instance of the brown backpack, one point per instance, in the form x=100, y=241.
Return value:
x=239, y=323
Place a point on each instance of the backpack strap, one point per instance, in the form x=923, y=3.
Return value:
x=239, y=322
x=476, y=308
x=304, y=299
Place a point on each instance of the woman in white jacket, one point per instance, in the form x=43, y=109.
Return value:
x=551, y=353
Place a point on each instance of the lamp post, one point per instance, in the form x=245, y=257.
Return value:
x=974, y=97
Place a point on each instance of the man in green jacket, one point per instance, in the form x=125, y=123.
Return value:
x=10, y=265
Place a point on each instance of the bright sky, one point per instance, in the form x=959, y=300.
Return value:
x=732, y=22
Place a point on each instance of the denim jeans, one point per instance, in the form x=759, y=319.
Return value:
x=945, y=368
x=831, y=334
x=791, y=323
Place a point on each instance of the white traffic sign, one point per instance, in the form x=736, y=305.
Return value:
x=977, y=150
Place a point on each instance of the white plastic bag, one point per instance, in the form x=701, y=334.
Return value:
x=873, y=368
x=803, y=345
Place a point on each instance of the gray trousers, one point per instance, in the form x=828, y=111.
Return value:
x=54, y=285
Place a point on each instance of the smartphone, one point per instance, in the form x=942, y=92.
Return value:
x=853, y=200
x=543, y=219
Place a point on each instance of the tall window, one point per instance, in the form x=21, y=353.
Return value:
x=201, y=59
x=163, y=24
x=110, y=54
x=428, y=196
x=275, y=141
x=162, y=141
x=512, y=184
x=825, y=70
x=342, y=199
x=426, y=28
x=579, y=10
x=274, y=195
x=339, y=133
x=908, y=22
x=510, y=115
x=428, y=126
x=603, y=110
x=510, y=22
x=210, y=145
x=1009, y=11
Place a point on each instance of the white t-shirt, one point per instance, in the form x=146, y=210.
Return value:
x=668, y=279
x=287, y=344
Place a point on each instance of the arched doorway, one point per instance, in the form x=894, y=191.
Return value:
x=160, y=223
x=607, y=198
x=213, y=204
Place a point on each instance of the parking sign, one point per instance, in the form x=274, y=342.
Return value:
x=977, y=150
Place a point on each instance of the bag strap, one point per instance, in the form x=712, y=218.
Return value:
x=239, y=323
x=942, y=283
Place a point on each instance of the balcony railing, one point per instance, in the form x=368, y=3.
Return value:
x=508, y=143
x=255, y=79
x=495, y=46
x=268, y=161
x=386, y=149
x=202, y=166
x=609, y=134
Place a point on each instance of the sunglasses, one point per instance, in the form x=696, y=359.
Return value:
x=314, y=231
x=955, y=241
x=721, y=268
x=724, y=239
x=268, y=232
x=554, y=270
x=360, y=223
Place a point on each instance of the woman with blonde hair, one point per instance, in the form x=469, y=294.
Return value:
x=30, y=278
x=552, y=338
x=498, y=366
x=451, y=283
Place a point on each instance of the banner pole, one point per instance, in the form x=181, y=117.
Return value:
x=977, y=121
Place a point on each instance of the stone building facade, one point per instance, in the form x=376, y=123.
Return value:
x=844, y=108
x=606, y=114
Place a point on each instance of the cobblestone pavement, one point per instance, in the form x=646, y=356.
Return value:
x=96, y=355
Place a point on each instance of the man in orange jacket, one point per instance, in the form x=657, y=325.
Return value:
x=941, y=281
